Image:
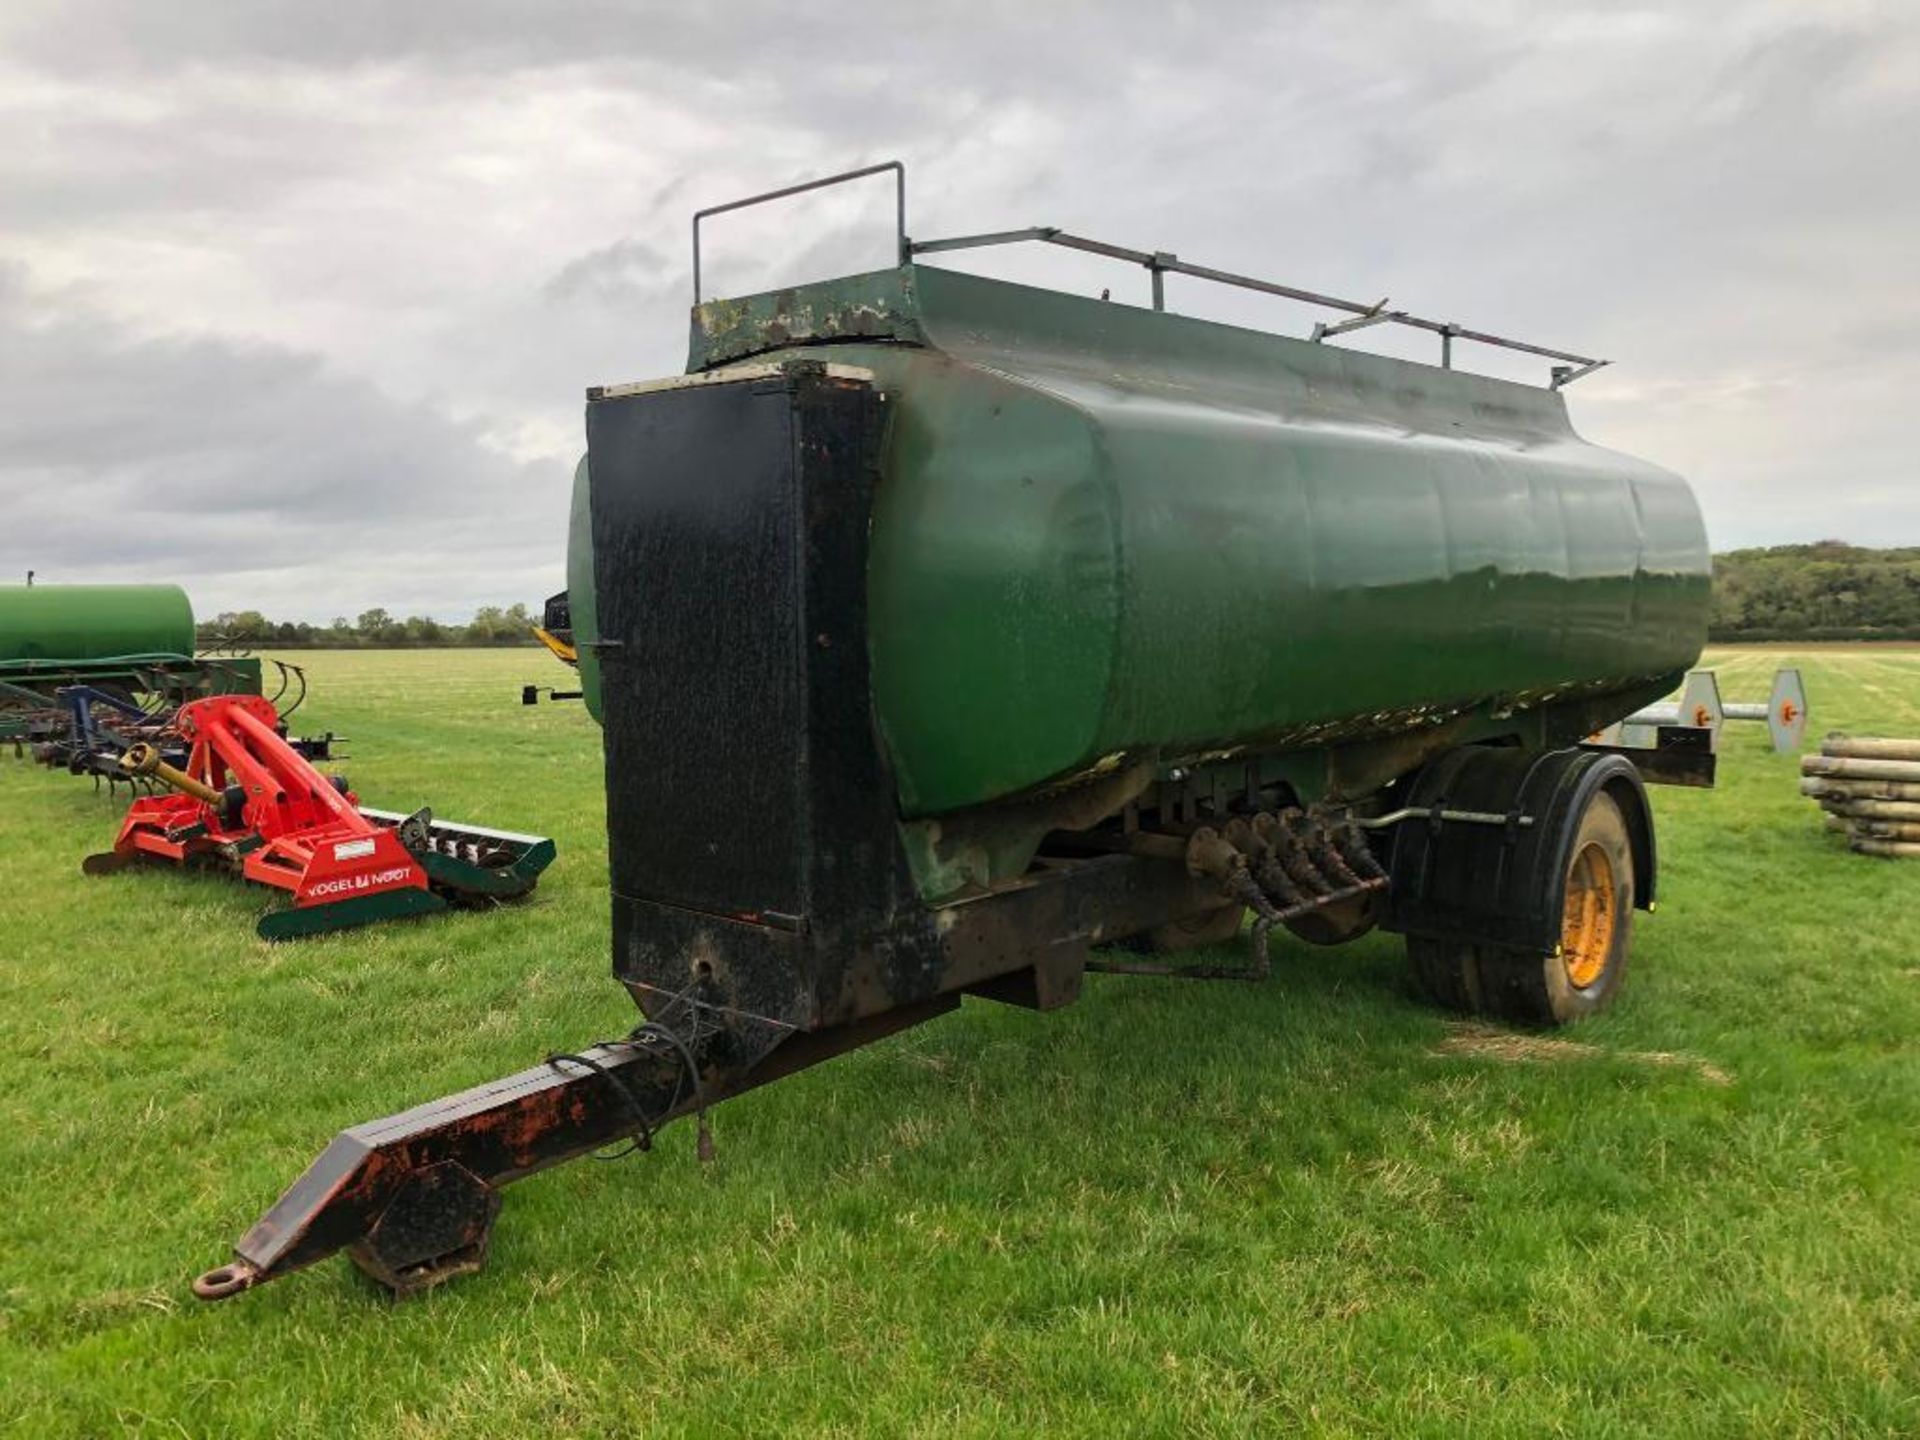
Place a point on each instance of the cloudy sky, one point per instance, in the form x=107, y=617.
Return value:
x=298, y=301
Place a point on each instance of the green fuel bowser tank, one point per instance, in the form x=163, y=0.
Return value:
x=948, y=636
x=93, y=622
x=1106, y=536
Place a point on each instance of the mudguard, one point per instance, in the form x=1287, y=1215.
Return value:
x=1500, y=884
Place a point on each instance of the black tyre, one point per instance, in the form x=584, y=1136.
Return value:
x=1447, y=971
x=1586, y=969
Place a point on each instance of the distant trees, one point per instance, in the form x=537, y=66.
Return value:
x=377, y=627
x=1828, y=590
x=248, y=625
x=491, y=625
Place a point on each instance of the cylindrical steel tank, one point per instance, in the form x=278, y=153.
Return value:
x=93, y=622
x=580, y=596
x=1106, y=534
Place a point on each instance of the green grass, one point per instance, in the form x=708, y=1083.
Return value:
x=1174, y=1208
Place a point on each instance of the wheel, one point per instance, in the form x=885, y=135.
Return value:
x=1448, y=972
x=1587, y=967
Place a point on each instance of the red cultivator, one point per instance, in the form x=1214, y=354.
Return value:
x=249, y=801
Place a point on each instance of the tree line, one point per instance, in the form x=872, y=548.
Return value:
x=1828, y=590
x=491, y=625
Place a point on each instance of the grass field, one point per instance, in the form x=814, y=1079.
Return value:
x=1175, y=1208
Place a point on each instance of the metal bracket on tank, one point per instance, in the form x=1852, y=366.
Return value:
x=1379, y=315
x=1565, y=375
x=900, y=207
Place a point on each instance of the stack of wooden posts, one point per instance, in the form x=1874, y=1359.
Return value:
x=1870, y=789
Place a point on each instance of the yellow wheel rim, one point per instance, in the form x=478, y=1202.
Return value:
x=1586, y=928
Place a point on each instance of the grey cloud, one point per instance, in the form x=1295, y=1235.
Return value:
x=623, y=272
x=189, y=458
x=341, y=274
x=742, y=44
x=205, y=151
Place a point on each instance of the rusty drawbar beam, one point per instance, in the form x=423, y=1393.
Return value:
x=412, y=1198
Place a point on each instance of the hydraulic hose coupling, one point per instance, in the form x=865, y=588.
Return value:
x=1353, y=847
x=1211, y=856
x=1318, y=840
x=1263, y=858
x=1290, y=854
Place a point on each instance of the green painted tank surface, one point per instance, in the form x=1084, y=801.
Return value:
x=93, y=622
x=586, y=619
x=1108, y=535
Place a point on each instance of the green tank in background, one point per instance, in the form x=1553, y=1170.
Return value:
x=126, y=641
x=52, y=625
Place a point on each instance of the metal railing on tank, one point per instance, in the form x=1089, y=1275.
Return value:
x=1159, y=264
